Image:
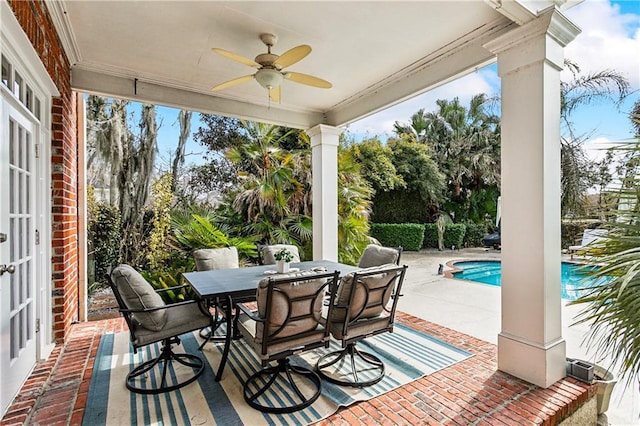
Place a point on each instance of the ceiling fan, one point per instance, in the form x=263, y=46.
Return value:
x=270, y=66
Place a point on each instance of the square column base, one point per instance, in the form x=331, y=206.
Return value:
x=540, y=365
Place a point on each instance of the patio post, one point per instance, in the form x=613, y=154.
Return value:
x=324, y=169
x=530, y=58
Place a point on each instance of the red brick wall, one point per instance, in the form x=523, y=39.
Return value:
x=36, y=22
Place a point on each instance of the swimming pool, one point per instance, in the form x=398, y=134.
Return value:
x=489, y=272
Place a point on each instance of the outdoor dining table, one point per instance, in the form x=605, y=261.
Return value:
x=241, y=283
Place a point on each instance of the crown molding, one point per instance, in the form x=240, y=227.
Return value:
x=63, y=26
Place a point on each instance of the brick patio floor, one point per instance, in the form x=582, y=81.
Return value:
x=469, y=392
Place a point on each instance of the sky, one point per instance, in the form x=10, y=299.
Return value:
x=610, y=39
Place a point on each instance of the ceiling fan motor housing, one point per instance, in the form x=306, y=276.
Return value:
x=267, y=60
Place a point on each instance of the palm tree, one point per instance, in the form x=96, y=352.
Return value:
x=612, y=305
x=275, y=193
x=418, y=127
x=464, y=142
x=577, y=170
x=354, y=208
x=577, y=174
x=273, y=203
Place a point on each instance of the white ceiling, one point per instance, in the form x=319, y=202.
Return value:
x=376, y=53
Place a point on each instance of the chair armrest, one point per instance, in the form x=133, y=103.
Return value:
x=160, y=290
x=134, y=311
x=249, y=313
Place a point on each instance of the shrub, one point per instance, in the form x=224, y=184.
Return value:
x=104, y=236
x=430, y=235
x=454, y=235
x=474, y=234
x=161, y=190
x=407, y=235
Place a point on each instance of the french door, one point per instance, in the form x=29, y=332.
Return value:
x=17, y=250
x=26, y=317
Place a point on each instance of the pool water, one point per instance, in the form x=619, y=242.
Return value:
x=489, y=272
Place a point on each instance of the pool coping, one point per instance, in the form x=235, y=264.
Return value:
x=452, y=269
x=449, y=273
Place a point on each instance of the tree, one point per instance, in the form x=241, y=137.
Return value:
x=577, y=173
x=273, y=199
x=422, y=188
x=634, y=116
x=127, y=160
x=577, y=170
x=134, y=178
x=420, y=125
x=184, y=118
x=419, y=172
x=107, y=136
x=376, y=164
x=98, y=148
x=157, y=253
x=465, y=144
x=610, y=306
x=275, y=181
x=354, y=208
x=218, y=175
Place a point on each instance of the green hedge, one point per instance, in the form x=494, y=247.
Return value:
x=407, y=235
x=399, y=207
x=470, y=234
x=474, y=234
x=453, y=235
x=430, y=235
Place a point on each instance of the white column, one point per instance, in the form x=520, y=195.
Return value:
x=324, y=168
x=530, y=345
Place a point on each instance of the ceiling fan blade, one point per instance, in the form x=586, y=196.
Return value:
x=233, y=82
x=307, y=79
x=292, y=56
x=274, y=94
x=236, y=57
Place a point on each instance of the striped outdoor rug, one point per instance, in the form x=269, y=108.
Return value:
x=407, y=354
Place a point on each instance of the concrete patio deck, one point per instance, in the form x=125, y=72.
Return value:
x=474, y=309
x=470, y=392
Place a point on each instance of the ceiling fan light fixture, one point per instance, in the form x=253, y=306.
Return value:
x=269, y=78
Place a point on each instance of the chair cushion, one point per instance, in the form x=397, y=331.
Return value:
x=374, y=255
x=137, y=293
x=362, y=329
x=359, y=299
x=280, y=304
x=247, y=328
x=181, y=318
x=268, y=253
x=216, y=258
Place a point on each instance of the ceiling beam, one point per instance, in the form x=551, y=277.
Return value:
x=94, y=82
